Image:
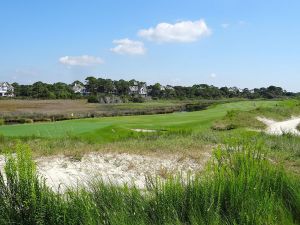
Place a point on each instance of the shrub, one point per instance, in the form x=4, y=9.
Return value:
x=2, y=122
x=25, y=120
x=221, y=126
x=138, y=99
x=93, y=99
x=28, y=120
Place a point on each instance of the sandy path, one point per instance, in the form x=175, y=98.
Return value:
x=279, y=128
x=61, y=172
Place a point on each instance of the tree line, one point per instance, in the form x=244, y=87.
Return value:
x=99, y=86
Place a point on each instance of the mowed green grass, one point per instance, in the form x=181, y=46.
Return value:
x=114, y=128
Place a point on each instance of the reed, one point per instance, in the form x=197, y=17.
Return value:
x=240, y=185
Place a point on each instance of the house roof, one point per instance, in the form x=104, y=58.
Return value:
x=6, y=84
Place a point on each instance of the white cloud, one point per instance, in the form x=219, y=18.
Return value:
x=84, y=60
x=184, y=31
x=130, y=47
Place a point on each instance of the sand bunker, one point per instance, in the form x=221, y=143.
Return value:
x=144, y=130
x=282, y=127
x=61, y=172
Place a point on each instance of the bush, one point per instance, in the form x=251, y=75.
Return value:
x=28, y=120
x=138, y=99
x=2, y=122
x=25, y=120
x=93, y=99
x=220, y=126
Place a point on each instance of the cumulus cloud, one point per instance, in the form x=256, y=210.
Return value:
x=130, y=47
x=84, y=60
x=184, y=31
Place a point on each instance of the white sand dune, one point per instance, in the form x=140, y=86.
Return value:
x=61, y=172
x=279, y=128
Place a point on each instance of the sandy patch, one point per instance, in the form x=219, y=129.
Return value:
x=61, y=172
x=144, y=130
x=279, y=128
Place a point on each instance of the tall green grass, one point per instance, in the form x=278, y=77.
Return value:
x=240, y=185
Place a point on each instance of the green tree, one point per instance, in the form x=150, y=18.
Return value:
x=91, y=85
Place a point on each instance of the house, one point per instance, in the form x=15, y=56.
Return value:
x=134, y=88
x=79, y=89
x=138, y=88
x=169, y=87
x=6, y=89
x=143, y=90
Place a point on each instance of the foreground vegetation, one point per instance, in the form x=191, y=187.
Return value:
x=240, y=186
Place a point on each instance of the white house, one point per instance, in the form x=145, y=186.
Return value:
x=79, y=89
x=143, y=90
x=6, y=89
x=169, y=87
x=138, y=89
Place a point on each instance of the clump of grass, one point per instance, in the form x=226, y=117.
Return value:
x=221, y=126
x=238, y=119
x=240, y=186
x=22, y=195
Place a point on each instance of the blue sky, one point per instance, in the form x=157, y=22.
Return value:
x=226, y=43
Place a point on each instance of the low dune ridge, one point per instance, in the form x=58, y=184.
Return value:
x=281, y=127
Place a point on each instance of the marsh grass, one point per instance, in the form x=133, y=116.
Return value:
x=239, y=186
x=29, y=111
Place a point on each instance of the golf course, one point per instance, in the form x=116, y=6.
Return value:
x=150, y=112
x=104, y=129
x=218, y=165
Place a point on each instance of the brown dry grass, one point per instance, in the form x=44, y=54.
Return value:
x=46, y=106
x=67, y=109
